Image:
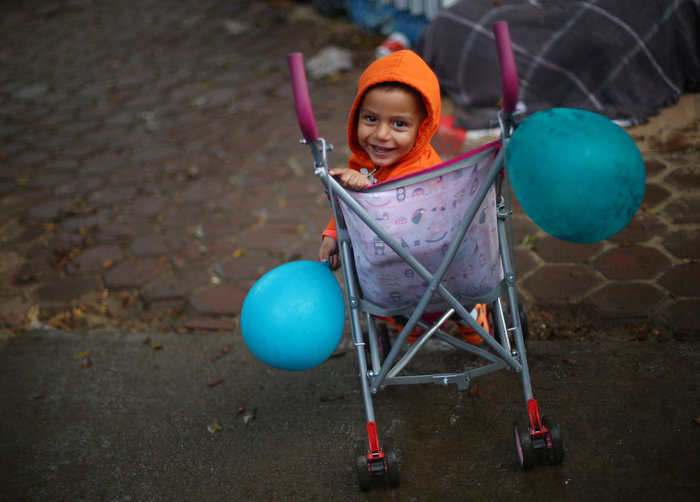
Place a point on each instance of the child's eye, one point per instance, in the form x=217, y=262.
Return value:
x=400, y=124
x=370, y=118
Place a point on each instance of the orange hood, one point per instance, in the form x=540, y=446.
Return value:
x=408, y=68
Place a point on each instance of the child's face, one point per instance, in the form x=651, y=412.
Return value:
x=388, y=124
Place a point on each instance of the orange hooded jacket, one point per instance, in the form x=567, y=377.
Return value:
x=408, y=68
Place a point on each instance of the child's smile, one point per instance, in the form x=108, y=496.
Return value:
x=388, y=124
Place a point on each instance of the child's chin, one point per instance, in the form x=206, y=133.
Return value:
x=383, y=161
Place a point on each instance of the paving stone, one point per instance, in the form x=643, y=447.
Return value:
x=275, y=238
x=6, y=186
x=250, y=266
x=203, y=252
x=176, y=286
x=87, y=221
x=554, y=250
x=654, y=167
x=95, y=259
x=249, y=200
x=184, y=216
x=32, y=91
x=684, y=210
x=59, y=293
x=124, y=230
x=47, y=180
x=206, y=189
x=112, y=195
x=684, y=317
x=525, y=262
x=134, y=273
x=523, y=228
x=684, y=243
x=627, y=300
x=78, y=186
x=654, y=195
x=686, y=179
x=154, y=153
x=633, y=262
x=166, y=244
x=104, y=163
x=50, y=210
x=149, y=206
x=219, y=300
x=560, y=284
x=226, y=225
x=642, y=228
x=682, y=280
x=134, y=175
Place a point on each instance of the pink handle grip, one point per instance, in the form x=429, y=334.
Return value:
x=302, y=102
x=509, y=75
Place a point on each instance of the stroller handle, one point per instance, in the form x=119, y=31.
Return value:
x=302, y=101
x=509, y=75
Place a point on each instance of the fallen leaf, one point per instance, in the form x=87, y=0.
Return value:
x=475, y=390
x=107, y=264
x=570, y=360
x=82, y=355
x=331, y=398
x=249, y=416
x=668, y=468
x=214, y=426
x=221, y=354
x=214, y=383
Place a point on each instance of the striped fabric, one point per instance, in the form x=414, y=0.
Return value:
x=625, y=59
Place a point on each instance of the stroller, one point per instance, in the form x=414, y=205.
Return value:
x=422, y=251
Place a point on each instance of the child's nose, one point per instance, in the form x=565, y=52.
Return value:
x=383, y=131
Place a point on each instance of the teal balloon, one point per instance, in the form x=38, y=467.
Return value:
x=577, y=175
x=293, y=316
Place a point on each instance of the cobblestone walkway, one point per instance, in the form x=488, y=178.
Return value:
x=150, y=172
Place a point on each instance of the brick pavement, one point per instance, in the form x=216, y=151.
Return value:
x=150, y=172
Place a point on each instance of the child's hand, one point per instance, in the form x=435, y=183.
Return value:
x=349, y=178
x=329, y=252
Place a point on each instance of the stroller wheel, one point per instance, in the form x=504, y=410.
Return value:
x=555, y=446
x=364, y=476
x=523, y=444
x=392, y=464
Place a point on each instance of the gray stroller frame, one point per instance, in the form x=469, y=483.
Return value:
x=505, y=349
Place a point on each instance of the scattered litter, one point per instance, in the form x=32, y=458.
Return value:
x=330, y=60
x=234, y=27
x=570, y=360
x=214, y=426
x=221, y=354
x=331, y=398
x=475, y=390
x=214, y=383
x=395, y=42
x=152, y=344
x=247, y=415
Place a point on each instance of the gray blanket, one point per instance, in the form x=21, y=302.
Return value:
x=625, y=59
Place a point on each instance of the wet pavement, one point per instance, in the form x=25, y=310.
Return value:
x=150, y=172
x=195, y=417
